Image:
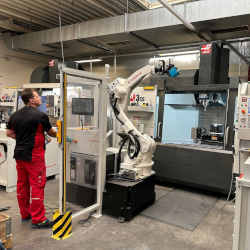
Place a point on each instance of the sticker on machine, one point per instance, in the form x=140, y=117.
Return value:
x=206, y=49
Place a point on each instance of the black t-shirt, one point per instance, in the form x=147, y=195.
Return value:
x=29, y=125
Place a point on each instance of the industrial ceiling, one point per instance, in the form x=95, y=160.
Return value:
x=115, y=27
x=35, y=15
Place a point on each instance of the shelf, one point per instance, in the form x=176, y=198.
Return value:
x=140, y=109
x=42, y=85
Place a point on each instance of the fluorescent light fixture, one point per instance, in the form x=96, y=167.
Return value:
x=89, y=60
x=181, y=53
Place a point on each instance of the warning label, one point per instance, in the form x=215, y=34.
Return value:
x=206, y=49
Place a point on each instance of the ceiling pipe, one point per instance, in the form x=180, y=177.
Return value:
x=203, y=36
x=187, y=24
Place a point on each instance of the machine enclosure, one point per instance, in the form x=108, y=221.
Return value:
x=214, y=64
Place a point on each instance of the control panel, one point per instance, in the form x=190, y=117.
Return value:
x=244, y=112
x=8, y=97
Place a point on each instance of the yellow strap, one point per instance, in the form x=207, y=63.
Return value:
x=59, y=131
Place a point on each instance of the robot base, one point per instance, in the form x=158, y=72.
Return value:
x=133, y=174
x=136, y=172
x=126, y=199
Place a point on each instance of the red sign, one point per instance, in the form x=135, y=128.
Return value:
x=206, y=49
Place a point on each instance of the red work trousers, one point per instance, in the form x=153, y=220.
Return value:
x=31, y=180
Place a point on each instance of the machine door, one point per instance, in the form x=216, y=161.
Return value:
x=85, y=134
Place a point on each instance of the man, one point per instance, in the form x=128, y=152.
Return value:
x=27, y=126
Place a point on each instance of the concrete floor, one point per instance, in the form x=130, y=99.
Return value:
x=142, y=233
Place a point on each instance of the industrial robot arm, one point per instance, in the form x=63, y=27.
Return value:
x=137, y=162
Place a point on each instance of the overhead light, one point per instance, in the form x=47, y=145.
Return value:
x=89, y=60
x=181, y=53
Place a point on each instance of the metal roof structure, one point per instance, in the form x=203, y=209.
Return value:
x=143, y=30
x=35, y=15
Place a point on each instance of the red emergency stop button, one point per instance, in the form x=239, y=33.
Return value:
x=243, y=111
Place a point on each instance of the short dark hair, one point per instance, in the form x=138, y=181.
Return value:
x=27, y=94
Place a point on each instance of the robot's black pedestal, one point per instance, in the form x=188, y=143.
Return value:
x=124, y=199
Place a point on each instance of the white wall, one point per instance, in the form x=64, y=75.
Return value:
x=15, y=67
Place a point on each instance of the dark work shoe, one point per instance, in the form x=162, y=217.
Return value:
x=45, y=224
x=26, y=219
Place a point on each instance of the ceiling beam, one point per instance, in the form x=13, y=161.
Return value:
x=143, y=3
x=15, y=14
x=99, y=6
x=97, y=46
x=9, y=25
x=150, y=43
x=34, y=9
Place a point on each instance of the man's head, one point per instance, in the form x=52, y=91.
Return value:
x=31, y=98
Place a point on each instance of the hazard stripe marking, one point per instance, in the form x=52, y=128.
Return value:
x=62, y=228
x=62, y=221
x=65, y=232
x=62, y=225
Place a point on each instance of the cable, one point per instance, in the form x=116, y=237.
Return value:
x=232, y=179
x=61, y=41
x=84, y=221
x=231, y=187
x=113, y=102
x=134, y=146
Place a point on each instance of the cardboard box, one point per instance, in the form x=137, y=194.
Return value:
x=5, y=226
x=8, y=243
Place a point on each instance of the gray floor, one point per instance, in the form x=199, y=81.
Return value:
x=142, y=233
x=181, y=208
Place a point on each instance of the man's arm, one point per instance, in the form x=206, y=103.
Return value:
x=11, y=133
x=47, y=126
x=52, y=132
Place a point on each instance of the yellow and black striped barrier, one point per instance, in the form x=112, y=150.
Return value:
x=62, y=225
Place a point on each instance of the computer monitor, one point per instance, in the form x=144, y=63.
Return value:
x=83, y=106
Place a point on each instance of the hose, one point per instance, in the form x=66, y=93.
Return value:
x=134, y=146
x=113, y=102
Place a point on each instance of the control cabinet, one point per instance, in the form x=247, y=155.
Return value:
x=242, y=164
x=83, y=169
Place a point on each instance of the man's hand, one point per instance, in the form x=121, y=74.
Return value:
x=11, y=133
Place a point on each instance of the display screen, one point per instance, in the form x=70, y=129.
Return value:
x=83, y=106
